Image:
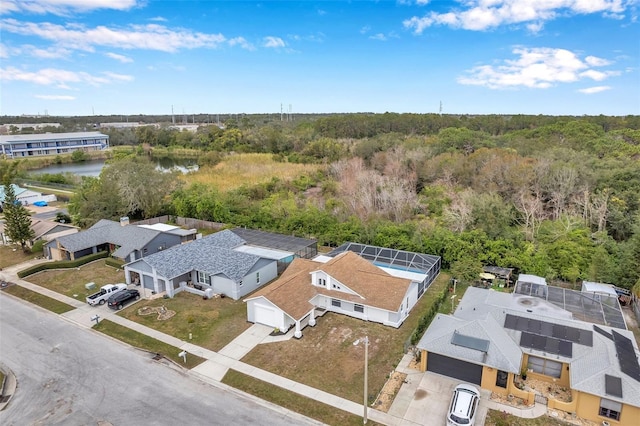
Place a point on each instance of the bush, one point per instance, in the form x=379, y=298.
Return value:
x=62, y=264
x=114, y=263
x=426, y=319
x=37, y=246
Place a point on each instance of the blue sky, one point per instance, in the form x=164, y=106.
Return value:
x=78, y=57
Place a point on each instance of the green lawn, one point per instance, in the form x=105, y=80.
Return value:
x=291, y=400
x=213, y=323
x=145, y=342
x=71, y=281
x=39, y=299
x=325, y=357
x=12, y=255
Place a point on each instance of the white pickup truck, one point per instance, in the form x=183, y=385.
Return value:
x=105, y=292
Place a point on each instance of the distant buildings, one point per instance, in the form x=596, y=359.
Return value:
x=18, y=146
x=18, y=127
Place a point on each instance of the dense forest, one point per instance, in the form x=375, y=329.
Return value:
x=553, y=196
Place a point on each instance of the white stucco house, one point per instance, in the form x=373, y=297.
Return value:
x=221, y=263
x=365, y=282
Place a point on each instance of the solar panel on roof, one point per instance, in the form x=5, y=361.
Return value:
x=510, y=321
x=470, y=342
x=603, y=332
x=546, y=344
x=626, y=356
x=613, y=385
x=565, y=348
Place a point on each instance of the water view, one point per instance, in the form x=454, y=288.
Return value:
x=93, y=168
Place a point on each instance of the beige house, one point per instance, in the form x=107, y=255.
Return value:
x=493, y=337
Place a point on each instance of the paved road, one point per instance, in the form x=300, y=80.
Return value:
x=72, y=376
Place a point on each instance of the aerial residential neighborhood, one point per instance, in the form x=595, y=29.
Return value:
x=402, y=213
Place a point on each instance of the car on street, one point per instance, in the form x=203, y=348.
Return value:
x=121, y=298
x=464, y=406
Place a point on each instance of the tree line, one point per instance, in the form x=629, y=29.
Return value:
x=552, y=196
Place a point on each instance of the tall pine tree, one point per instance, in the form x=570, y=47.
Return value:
x=17, y=224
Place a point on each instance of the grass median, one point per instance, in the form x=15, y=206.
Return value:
x=291, y=400
x=41, y=300
x=147, y=343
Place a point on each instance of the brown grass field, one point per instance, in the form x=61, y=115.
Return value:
x=248, y=169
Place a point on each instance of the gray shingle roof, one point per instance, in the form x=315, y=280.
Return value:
x=129, y=237
x=212, y=254
x=503, y=353
x=481, y=313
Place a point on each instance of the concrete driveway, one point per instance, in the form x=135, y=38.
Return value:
x=424, y=399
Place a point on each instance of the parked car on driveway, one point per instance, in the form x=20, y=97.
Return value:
x=464, y=406
x=105, y=292
x=118, y=300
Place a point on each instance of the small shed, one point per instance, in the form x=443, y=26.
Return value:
x=531, y=279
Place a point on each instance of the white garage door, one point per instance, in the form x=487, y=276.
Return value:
x=265, y=315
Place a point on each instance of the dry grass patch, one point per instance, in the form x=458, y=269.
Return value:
x=325, y=357
x=41, y=300
x=213, y=323
x=12, y=255
x=242, y=169
x=70, y=282
x=291, y=400
x=147, y=343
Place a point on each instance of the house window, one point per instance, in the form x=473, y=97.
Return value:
x=257, y=277
x=336, y=286
x=358, y=308
x=501, y=379
x=204, y=278
x=322, y=282
x=610, y=409
x=336, y=303
x=545, y=366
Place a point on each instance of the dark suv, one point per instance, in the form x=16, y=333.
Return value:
x=122, y=297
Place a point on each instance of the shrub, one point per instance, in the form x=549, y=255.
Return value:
x=62, y=264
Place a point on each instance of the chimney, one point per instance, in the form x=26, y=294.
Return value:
x=124, y=221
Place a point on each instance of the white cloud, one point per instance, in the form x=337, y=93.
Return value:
x=365, y=29
x=158, y=19
x=480, y=15
x=118, y=57
x=275, y=42
x=59, y=77
x=4, y=51
x=242, y=42
x=596, y=89
x=538, y=68
x=63, y=7
x=150, y=36
x=56, y=97
x=379, y=37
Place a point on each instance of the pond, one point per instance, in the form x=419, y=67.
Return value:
x=93, y=168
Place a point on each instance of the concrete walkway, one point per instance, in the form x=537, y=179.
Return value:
x=407, y=409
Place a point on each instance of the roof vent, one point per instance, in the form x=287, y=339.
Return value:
x=124, y=221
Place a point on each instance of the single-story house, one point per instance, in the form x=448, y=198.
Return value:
x=123, y=241
x=43, y=230
x=366, y=282
x=220, y=263
x=26, y=196
x=492, y=337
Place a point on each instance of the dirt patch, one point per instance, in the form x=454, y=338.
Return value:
x=546, y=389
x=389, y=391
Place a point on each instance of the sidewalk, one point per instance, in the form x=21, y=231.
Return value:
x=218, y=363
x=407, y=408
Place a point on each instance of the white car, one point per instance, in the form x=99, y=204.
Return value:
x=464, y=406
